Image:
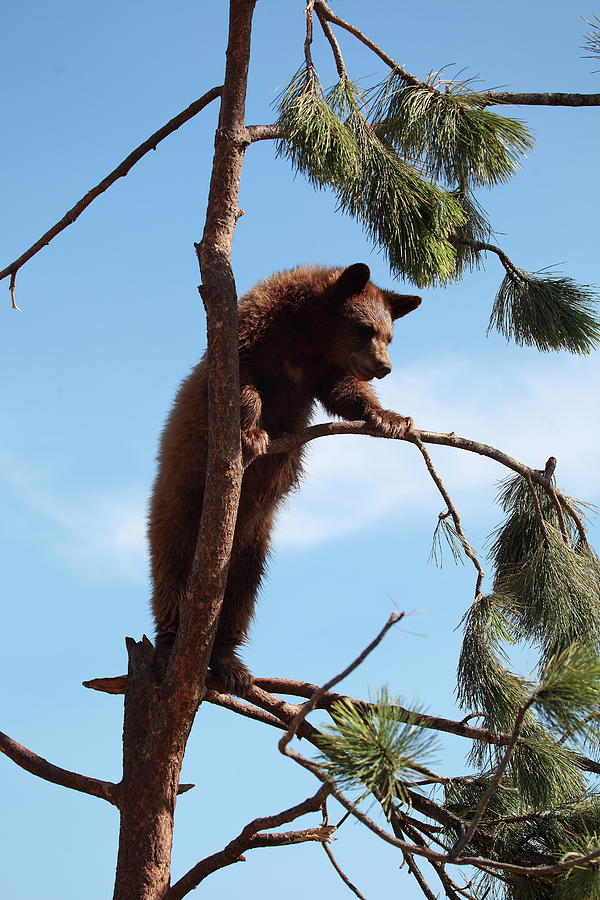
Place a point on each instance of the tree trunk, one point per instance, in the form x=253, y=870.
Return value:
x=158, y=718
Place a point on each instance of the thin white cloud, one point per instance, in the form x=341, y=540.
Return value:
x=99, y=532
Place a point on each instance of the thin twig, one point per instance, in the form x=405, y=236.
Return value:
x=335, y=47
x=494, y=782
x=341, y=872
x=121, y=170
x=39, y=766
x=451, y=508
x=347, y=26
x=312, y=702
x=415, y=836
x=578, y=523
x=12, y=285
x=418, y=875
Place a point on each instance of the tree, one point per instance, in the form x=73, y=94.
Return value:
x=541, y=554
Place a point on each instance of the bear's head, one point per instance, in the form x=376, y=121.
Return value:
x=363, y=323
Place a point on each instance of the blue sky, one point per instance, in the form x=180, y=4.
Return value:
x=110, y=323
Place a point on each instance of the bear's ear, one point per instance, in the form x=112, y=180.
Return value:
x=401, y=304
x=353, y=280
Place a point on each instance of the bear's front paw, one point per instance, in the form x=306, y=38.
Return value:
x=388, y=423
x=230, y=675
x=255, y=441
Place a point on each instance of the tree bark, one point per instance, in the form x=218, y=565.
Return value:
x=158, y=717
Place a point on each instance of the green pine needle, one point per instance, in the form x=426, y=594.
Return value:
x=452, y=132
x=446, y=532
x=484, y=682
x=476, y=229
x=592, y=41
x=546, y=311
x=569, y=695
x=330, y=140
x=580, y=882
x=544, y=770
x=520, y=533
x=374, y=749
x=556, y=589
x=315, y=140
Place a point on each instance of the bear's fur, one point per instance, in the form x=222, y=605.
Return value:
x=312, y=333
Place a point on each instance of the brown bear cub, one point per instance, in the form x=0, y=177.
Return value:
x=312, y=333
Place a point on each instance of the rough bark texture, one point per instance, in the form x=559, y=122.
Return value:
x=158, y=717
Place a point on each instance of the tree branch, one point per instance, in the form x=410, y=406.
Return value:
x=121, y=170
x=437, y=723
x=276, y=712
x=335, y=47
x=39, y=766
x=341, y=872
x=534, y=99
x=451, y=509
x=250, y=838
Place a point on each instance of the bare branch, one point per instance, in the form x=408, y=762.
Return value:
x=262, y=133
x=244, y=709
x=341, y=872
x=261, y=694
x=310, y=705
x=335, y=47
x=578, y=523
x=114, y=685
x=121, y=170
x=39, y=766
x=249, y=838
x=451, y=509
x=506, y=261
x=309, y=33
x=286, y=838
x=11, y=288
x=549, y=99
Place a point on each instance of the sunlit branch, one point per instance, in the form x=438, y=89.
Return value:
x=121, y=170
x=251, y=837
x=39, y=766
x=539, y=99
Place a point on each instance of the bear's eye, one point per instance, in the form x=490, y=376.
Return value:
x=366, y=331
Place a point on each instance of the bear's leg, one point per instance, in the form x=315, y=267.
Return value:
x=245, y=573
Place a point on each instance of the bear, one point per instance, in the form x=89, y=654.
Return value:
x=312, y=333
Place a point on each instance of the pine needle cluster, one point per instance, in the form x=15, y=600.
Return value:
x=446, y=533
x=370, y=747
x=457, y=139
x=403, y=159
x=549, y=836
x=592, y=41
x=328, y=138
x=476, y=229
x=546, y=594
x=546, y=311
